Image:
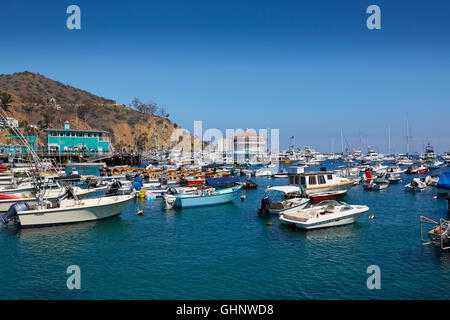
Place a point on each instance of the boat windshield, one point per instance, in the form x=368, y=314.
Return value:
x=330, y=202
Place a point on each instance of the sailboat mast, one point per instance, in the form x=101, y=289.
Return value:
x=407, y=135
x=342, y=142
x=389, y=135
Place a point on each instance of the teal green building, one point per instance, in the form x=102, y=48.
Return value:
x=67, y=140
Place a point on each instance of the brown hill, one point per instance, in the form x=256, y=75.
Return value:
x=46, y=103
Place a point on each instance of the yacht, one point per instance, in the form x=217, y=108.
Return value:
x=327, y=213
x=318, y=181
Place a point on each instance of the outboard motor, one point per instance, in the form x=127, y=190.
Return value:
x=114, y=188
x=265, y=204
x=11, y=214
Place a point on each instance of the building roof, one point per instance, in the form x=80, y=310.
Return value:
x=73, y=130
x=247, y=134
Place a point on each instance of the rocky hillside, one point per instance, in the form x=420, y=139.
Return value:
x=40, y=102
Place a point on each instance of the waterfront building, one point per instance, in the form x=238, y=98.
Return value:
x=246, y=145
x=67, y=140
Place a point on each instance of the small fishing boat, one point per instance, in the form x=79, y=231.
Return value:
x=416, y=185
x=68, y=209
x=375, y=183
x=248, y=184
x=328, y=213
x=281, y=174
x=205, y=197
x=417, y=170
x=395, y=169
x=434, y=164
x=393, y=177
x=268, y=205
x=192, y=181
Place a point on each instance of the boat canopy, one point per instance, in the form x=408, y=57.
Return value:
x=284, y=189
x=444, y=181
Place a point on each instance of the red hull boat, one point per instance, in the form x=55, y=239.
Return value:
x=330, y=195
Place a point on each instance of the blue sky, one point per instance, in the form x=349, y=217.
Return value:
x=308, y=68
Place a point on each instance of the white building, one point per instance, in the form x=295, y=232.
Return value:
x=244, y=145
x=9, y=122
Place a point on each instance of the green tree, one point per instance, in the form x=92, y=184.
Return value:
x=47, y=118
x=5, y=101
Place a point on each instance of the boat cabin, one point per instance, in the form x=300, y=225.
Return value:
x=319, y=181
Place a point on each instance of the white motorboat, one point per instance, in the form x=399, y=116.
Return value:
x=281, y=174
x=416, y=185
x=263, y=173
x=393, y=177
x=375, y=183
x=268, y=205
x=395, y=169
x=378, y=168
x=68, y=210
x=404, y=161
x=327, y=213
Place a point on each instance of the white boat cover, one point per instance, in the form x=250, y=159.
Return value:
x=284, y=189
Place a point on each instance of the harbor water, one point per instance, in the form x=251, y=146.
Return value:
x=228, y=252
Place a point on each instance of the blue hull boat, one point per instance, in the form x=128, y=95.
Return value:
x=207, y=198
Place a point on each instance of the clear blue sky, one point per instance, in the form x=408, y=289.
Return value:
x=305, y=67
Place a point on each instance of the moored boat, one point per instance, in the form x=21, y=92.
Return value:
x=206, y=197
x=66, y=210
x=328, y=213
x=330, y=195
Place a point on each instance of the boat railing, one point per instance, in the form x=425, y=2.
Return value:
x=442, y=224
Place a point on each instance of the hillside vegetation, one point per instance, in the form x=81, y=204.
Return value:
x=40, y=102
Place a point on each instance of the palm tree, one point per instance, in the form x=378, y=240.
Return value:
x=5, y=101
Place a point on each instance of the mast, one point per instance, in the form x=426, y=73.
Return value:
x=407, y=136
x=389, y=135
x=360, y=141
x=332, y=146
x=342, y=142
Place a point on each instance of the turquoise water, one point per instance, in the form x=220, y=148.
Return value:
x=228, y=252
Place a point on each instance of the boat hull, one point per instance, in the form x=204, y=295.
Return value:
x=76, y=214
x=199, y=201
x=337, y=221
x=328, y=196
